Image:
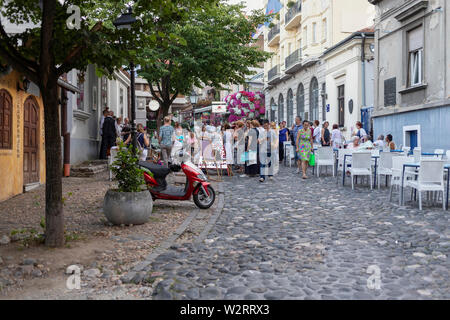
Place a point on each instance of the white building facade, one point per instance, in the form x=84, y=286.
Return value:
x=296, y=75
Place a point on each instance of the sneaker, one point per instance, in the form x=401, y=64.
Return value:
x=243, y=175
x=261, y=180
x=270, y=178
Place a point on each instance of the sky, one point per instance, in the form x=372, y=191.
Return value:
x=251, y=4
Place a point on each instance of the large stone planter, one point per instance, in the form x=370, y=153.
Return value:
x=127, y=207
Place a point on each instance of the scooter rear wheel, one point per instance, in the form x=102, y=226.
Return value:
x=202, y=200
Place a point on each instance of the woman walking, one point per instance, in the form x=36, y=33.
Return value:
x=252, y=163
x=265, y=148
x=284, y=136
x=305, y=146
x=325, y=135
x=206, y=140
x=228, y=142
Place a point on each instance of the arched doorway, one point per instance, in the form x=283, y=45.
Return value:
x=30, y=141
x=314, y=100
x=5, y=120
x=301, y=101
x=272, y=109
x=290, y=107
x=280, y=107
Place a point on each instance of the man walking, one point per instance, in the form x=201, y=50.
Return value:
x=165, y=138
x=298, y=126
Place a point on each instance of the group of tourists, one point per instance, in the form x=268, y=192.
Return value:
x=252, y=148
x=112, y=129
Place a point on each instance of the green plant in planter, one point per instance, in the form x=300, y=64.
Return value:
x=290, y=4
x=129, y=176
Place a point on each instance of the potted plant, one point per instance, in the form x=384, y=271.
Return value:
x=130, y=203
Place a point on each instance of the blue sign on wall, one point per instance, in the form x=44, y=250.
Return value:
x=328, y=107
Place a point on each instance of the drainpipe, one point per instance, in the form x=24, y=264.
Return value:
x=363, y=65
x=65, y=134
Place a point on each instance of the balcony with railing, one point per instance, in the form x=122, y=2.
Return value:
x=274, y=35
x=293, y=62
x=293, y=17
x=274, y=75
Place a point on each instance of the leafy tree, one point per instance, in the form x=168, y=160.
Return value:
x=215, y=50
x=49, y=49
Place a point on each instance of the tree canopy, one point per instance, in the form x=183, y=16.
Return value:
x=210, y=47
x=48, y=48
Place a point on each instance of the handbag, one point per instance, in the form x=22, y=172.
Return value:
x=252, y=156
x=312, y=160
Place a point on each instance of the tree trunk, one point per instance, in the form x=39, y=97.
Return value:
x=54, y=219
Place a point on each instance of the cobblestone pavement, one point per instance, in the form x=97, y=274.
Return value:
x=310, y=239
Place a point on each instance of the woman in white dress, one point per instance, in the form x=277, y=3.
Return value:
x=228, y=147
x=275, y=145
x=336, y=137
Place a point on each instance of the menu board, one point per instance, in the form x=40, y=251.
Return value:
x=390, y=92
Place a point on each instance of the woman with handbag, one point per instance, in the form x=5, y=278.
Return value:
x=252, y=164
x=305, y=145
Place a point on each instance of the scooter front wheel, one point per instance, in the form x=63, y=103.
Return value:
x=202, y=200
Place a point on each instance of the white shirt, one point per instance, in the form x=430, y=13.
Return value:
x=362, y=134
x=317, y=134
x=336, y=137
x=380, y=143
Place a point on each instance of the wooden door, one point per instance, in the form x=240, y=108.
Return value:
x=5, y=120
x=30, y=142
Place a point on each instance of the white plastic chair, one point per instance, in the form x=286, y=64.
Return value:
x=430, y=178
x=417, y=154
x=289, y=152
x=361, y=166
x=325, y=157
x=397, y=169
x=440, y=153
x=384, y=165
x=113, y=155
x=348, y=161
x=406, y=150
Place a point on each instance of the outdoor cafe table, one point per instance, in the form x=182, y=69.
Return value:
x=417, y=165
x=375, y=171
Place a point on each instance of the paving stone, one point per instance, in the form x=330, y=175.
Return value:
x=298, y=239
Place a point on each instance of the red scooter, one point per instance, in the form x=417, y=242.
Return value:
x=196, y=183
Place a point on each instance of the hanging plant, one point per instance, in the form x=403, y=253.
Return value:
x=245, y=104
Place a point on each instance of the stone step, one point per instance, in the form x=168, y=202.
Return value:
x=89, y=168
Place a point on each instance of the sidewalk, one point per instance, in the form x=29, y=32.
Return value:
x=105, y=252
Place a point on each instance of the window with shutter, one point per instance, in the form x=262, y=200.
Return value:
x=415, y=54
x=5, y=120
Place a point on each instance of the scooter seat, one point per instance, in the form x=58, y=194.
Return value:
x=157, y=170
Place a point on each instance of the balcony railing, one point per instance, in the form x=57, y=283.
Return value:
x=293, y=58
x=274, y=72
x=296, y=8
x=273, y=32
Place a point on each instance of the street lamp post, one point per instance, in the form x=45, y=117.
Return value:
x=193, y=97
x=125, y=21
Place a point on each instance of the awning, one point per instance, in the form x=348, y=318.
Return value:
x=200, y=110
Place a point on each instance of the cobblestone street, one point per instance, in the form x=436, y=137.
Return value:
x=310, y=239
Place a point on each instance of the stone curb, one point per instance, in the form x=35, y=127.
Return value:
x=138, y=272
x=214, y=217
